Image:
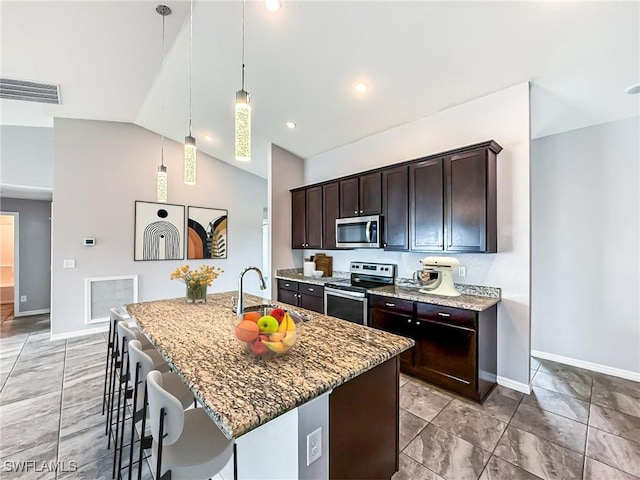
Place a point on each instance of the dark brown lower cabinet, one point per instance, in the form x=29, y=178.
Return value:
x=455, y=348
x=300, y=294
x=364, y=425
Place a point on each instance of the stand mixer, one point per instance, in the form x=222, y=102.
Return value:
x=435, y=276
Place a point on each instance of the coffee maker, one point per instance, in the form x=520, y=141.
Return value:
x=436, y=276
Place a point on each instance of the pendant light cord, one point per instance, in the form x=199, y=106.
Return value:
x=243, y=6
x=190, y=62
x=162, y=103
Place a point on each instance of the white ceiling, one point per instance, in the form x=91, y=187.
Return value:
x=303, y=62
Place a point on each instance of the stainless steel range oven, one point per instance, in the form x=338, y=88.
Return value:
x=347, y=299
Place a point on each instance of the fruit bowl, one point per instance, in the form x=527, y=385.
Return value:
x=267, y=331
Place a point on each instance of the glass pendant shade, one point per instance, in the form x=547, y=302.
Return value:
x=161, y=184
x=190, y=154
x=243, y=127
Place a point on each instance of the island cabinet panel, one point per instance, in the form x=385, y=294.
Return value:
x=395, y=208
x=349, y=198
x=470, y=213
x=298, y=218
x=426, y=205
x=300, y=294
x=331, y=211
x=364, y=424
x=313, y=218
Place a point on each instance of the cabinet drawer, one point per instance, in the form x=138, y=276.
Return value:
x=390, y=303
x=287, y=285
x=453, y=316
x=315, y=290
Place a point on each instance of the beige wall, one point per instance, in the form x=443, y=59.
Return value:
x=286, y=171
x=6, y=249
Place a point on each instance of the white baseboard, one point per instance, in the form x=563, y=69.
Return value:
x=31, y=312
x=80, y=333
x=513, y=385
x=594, y=367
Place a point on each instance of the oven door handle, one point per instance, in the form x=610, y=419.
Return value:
x=359, y=296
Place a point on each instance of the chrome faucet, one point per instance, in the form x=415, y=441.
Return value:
x=263, y=286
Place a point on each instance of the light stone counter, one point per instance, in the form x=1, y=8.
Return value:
x=295, y=275
x=241, y=392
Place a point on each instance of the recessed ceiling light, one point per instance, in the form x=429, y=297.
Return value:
x=362, y=87
x=291, y=125
x=633, y=89
x=208, y=138
x=273, y=5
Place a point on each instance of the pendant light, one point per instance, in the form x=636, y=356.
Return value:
x=162, y=180
x=190, y=151
x=243, y=113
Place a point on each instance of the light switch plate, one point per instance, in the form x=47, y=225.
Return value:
x=68, y=263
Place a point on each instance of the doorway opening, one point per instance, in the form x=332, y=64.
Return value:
x=8, y=264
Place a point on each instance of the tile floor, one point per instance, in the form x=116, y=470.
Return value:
x=575, y=424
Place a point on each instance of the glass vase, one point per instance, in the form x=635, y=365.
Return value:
x=197, y=293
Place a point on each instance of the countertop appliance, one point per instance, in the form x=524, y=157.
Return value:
x=436, y=277
x=347, y=299
x=359, y=232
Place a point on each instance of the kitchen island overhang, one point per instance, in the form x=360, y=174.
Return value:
x=241, y=392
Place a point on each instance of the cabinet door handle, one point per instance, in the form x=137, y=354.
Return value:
x=355, y=211
x=409, y=321
x=360, y=211
x=417, y=323
x=384, y=244
x=390, y=304
x=444, y=314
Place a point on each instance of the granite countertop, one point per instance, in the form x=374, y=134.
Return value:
x=295, y=275
x=241, y=392
x=466, y=301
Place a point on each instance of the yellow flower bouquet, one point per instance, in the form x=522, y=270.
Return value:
x=197, y=281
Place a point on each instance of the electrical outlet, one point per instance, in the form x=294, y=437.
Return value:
x=23, y=298
x=462, y=271
x=314, y=446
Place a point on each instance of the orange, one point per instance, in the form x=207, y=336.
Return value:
x=247, y=331
x=252, y=316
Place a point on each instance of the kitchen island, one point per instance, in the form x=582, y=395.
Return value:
x=333, y=364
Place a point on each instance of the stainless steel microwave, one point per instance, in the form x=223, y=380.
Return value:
x=359, y=232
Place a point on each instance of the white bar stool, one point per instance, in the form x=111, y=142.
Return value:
x=187, y=444
x=141, y=365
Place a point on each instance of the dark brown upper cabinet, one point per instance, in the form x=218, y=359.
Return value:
x=331, y=211
x=361, y=195
x=426, y=205
x=470, y=202
x=306, y=218
x=444, y=202
x=395, y=208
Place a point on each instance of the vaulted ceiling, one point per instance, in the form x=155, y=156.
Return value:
x=303, y=62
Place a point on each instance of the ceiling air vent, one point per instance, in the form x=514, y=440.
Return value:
x=29, y=91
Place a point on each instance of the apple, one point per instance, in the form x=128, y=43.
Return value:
x=268, y=324
x=278, y=314
x=258, y=348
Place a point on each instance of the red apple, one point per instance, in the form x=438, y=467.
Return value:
x=278, y=314
x=258, y=348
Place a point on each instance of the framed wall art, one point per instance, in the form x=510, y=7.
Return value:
x=159, y=231
x=207, y=233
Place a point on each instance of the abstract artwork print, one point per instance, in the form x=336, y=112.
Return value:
x=207, y=233
x=159, y=230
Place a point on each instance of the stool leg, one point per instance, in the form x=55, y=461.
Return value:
x=144, y=426
x=115, y=366
x=106, y=370
x=124, y=414
x=120, y=381
x=133, y=418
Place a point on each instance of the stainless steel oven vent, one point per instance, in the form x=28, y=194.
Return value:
x=29, y=91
